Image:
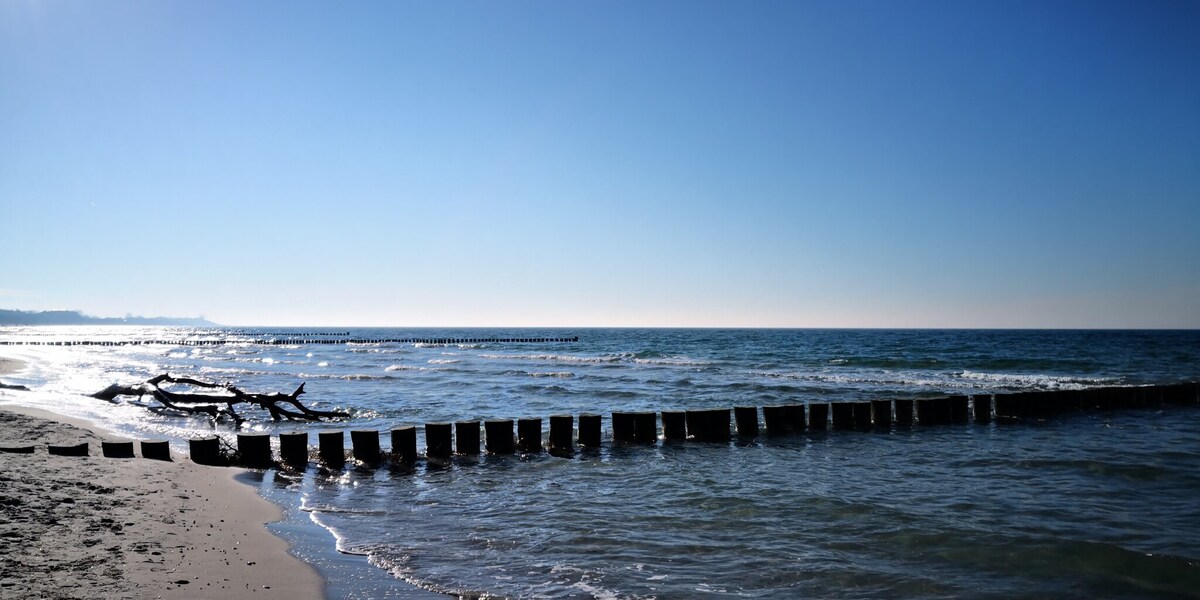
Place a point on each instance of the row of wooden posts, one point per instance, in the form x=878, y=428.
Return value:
x=443, y=440
x=294, y=340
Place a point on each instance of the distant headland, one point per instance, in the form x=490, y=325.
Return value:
x=74, y=317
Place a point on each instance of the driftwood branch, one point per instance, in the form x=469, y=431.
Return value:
x=218, y=405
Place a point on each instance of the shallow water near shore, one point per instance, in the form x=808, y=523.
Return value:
x=1092, y=504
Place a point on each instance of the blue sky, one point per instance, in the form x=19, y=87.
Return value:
x=774, y=164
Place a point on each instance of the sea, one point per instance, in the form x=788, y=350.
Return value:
x=1085, y=505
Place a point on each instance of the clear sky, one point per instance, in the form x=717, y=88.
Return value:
x=776, y=164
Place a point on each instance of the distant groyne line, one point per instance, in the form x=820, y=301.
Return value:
x=293, y=341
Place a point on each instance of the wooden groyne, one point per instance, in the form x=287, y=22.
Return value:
x=567, y=434
x=293, y=341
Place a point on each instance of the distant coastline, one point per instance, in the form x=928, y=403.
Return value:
x=74, y=317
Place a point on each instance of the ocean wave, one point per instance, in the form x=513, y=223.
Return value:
x=1035, y=381
x=559, y=374
x=443, y=361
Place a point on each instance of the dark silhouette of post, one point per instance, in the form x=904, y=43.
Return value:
x=437, y=440
x=331, y=447
x=293, y=447
x=466, y=438
x=589, y=431
x=404, y=444
x=254, y=449
x=818, y=417
x=529, y=435
x=747, y=420
x=499, y=436
x=366, y=446
x=674, y=426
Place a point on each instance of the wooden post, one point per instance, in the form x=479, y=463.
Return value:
x=562, y=429
x=589, y=431
x=293, y=448
x=674, y=426
x=117, y=449
x=254, y=450
x=904, y=413
x=529, y=435
x=843, y=415
x=959, y=409
x=933, y=411
x=645, y=427
x=747, y=420
x=499, y=436
x=466, y=438
x=404, y=444
x=156, y=450
x=366, y=446
x=818, y=417
x=1009, y=406
x=623, y=427
x=776, y=421
x=331, y=447
x=697, y=424
x=881, y=413
x=983, y=408
x=205, y=451
x=80, y=449
x=714, y=425
x=437, y=440
x=862, y=415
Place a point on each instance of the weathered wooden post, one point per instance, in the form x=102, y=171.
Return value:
x=529, y=435
x=983, y=407
x=254, y=449
x=711, y=425
x=775, y=419
x=697, y=424
x=747, y=420
x=881, y=413
x=437, y=440
x=116, y=449
x=818, y=416
x=331, y=448
x=843, y=415
x=904, y=412
x=645, y=427
x=622, y=427
x=960, y=411
x=499, y=436
x=366, y=446
x=1009, y=406
x=293, y=447
x=862, y=415
x=80, y=449
x=562, y=429
x=205, y=451
x=589, y=431
x=466, y=438
x=404, y=444
x=156, y=450
x=933, y=411
x=674, y=425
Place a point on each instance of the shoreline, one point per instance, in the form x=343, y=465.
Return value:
x=81, y=527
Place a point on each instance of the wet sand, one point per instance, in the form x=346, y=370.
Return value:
x=92, y=527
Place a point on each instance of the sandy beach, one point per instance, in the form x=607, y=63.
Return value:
x=95, y=527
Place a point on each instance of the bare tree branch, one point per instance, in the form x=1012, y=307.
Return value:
x=211, y=403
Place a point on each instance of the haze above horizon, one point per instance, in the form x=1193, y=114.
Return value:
x=703, y=164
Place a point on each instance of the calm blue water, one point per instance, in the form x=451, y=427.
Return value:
x=1089, y=505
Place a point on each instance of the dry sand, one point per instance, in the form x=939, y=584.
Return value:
x=94, y=527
